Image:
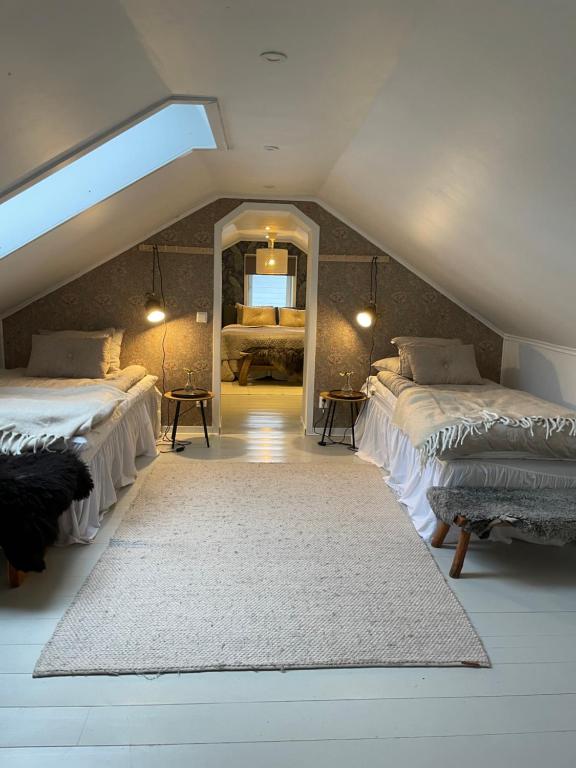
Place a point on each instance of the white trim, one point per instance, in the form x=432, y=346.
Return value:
x=311, y=306
x=538, y=343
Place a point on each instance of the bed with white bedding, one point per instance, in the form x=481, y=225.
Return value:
x=238, y=339
x=120, y=422
x=411, y=471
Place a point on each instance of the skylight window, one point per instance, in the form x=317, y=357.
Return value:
x=171, y=132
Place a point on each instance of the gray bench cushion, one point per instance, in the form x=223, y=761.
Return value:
x=549, y=514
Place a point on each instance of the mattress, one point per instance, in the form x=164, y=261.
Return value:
x=110, y=449
x=477, y=421
x=382, y=443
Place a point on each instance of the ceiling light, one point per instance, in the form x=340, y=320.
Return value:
x=274, y=57
x=271, y=261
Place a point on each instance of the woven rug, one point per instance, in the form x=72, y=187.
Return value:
x=221, y=565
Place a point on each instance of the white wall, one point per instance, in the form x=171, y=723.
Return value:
x=543, y=369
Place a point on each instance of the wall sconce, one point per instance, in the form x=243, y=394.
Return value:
x=367, y=316
x=154, y=307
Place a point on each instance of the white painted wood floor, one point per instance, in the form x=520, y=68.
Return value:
x=522, y=712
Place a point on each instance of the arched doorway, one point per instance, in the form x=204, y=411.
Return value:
x=247, y=219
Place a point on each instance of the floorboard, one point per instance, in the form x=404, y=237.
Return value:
x=497, y=751
x=521, y=599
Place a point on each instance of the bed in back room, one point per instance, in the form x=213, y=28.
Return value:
x=256, y=339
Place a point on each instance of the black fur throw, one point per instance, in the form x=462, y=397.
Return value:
x=35, y=489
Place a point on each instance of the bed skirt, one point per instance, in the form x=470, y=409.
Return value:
x=112, y=464
x=385, y=445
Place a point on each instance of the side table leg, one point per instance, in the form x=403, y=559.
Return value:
x=175, y=424
x=334, y=403
x=204, y=423
x=330, y=404
x=352, y=423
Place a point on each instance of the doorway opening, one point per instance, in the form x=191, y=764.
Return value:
x=265, y=295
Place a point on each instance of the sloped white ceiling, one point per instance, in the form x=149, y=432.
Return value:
x=442, y=128
x=466, y=164
x=69, y=70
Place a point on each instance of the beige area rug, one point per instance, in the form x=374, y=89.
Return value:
x=223, y=565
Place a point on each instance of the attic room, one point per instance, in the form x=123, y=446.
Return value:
x=287, y=383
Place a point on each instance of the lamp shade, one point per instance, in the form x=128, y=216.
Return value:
x=271, y=261
x=154, y=309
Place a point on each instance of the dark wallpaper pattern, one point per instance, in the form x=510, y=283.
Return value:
x=112, y=294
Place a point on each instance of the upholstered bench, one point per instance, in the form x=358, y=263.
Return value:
x=548, y=514
x=35, y=489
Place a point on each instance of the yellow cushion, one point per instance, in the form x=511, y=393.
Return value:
x=293, y=317
x=258, y=316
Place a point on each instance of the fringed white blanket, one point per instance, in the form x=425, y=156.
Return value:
x=36, y=418
x=455, y=421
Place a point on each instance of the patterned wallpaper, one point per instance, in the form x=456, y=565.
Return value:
x=233, y=271
x=112, y=294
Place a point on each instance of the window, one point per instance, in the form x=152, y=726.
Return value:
x=270, y=290
x=137, y=151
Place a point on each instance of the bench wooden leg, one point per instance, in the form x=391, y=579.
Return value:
x=244, y=369
x=461, y=549
x=15, y=577
x=440, y=534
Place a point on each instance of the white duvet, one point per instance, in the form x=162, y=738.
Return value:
x=43, y=413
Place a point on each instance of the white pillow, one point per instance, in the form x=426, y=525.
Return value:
x=404, y=343
x=115, y=334
x=69, y=357
x=447, y=365
x=391, y=364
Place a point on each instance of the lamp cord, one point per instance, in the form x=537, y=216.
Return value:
x=157, y=265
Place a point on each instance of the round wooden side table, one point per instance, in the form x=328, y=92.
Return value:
x=334, y=397
x=189, y=396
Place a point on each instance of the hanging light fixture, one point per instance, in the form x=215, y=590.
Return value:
x=368, y=315
x=271, y=261
x=154, y=310
x=153, y=306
